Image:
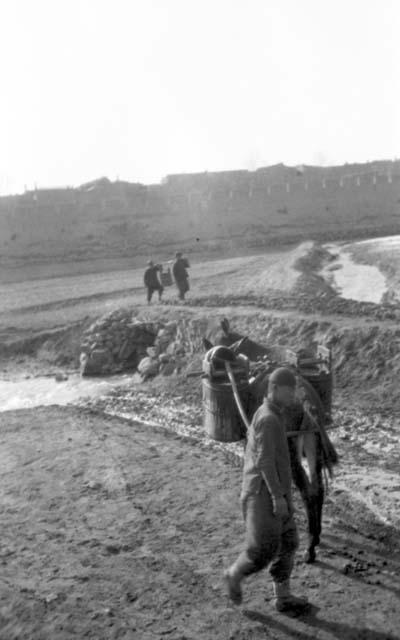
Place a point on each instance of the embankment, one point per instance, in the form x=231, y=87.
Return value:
x=366, y=353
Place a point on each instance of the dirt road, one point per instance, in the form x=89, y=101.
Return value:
x=112, y=530
x=45, y=302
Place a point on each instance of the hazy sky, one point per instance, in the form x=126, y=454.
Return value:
x=142, y=88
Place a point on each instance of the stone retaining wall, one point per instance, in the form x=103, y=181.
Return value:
x=120, y=341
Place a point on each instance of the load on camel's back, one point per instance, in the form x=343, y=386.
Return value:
x=305, y=422
x=238, y=343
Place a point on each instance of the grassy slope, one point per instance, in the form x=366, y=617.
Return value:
x=204, y=216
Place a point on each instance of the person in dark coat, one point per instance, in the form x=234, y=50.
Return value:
x=271, y=533
x=181, y=276
x=152, y=282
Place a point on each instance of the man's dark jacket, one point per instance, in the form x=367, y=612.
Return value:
x=179, y=269
x=151, y=280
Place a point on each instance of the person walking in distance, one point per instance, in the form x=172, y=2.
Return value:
x=181, y=276
x=271, y=534
x=152, y=282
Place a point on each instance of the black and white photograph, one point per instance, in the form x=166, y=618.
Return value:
x=200, y=320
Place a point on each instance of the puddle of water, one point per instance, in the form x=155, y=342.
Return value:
x=361, y=282
x=35, y=392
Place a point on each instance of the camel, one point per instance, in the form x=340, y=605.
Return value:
x=305, y=425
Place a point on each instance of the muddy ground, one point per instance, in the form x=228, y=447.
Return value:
x=111, y=529
x=114, y=528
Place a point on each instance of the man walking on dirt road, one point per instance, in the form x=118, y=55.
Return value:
x=271, y=534
x=152, y=282
x=181, y=276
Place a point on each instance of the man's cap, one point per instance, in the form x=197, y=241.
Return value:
x=178, y=254
x=283, y=377
x=150, y=263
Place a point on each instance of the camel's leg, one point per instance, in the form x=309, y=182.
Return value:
x=320, y=496
x=317, y=494
x=303, y=484
x=309, y=487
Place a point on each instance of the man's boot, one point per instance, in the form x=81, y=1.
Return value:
x=285, y=600
x=233, y=582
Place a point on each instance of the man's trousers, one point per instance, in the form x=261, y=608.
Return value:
x=270, y=540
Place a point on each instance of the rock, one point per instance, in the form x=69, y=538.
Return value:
x=113, y=549
x=114, y=342
x=83, y=360
x=173, y=348
x=146, y=339
x=98, y=362
x=92, y=484
x=148, y=367
x=126, y=351
x=131, y=597
x=167, y=368
x=52, y=597
x=60, y=377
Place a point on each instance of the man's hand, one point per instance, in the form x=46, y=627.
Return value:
x=280, y=508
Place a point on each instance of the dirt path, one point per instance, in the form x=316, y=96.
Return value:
x=273, y=270
x=112, y=530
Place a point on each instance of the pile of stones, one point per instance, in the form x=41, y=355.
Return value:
x=120, y=342
x=166, y=356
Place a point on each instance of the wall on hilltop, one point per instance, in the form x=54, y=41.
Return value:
x=203, y=210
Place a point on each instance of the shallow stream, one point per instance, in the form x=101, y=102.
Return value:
x=45, y=390
x=352, y=280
